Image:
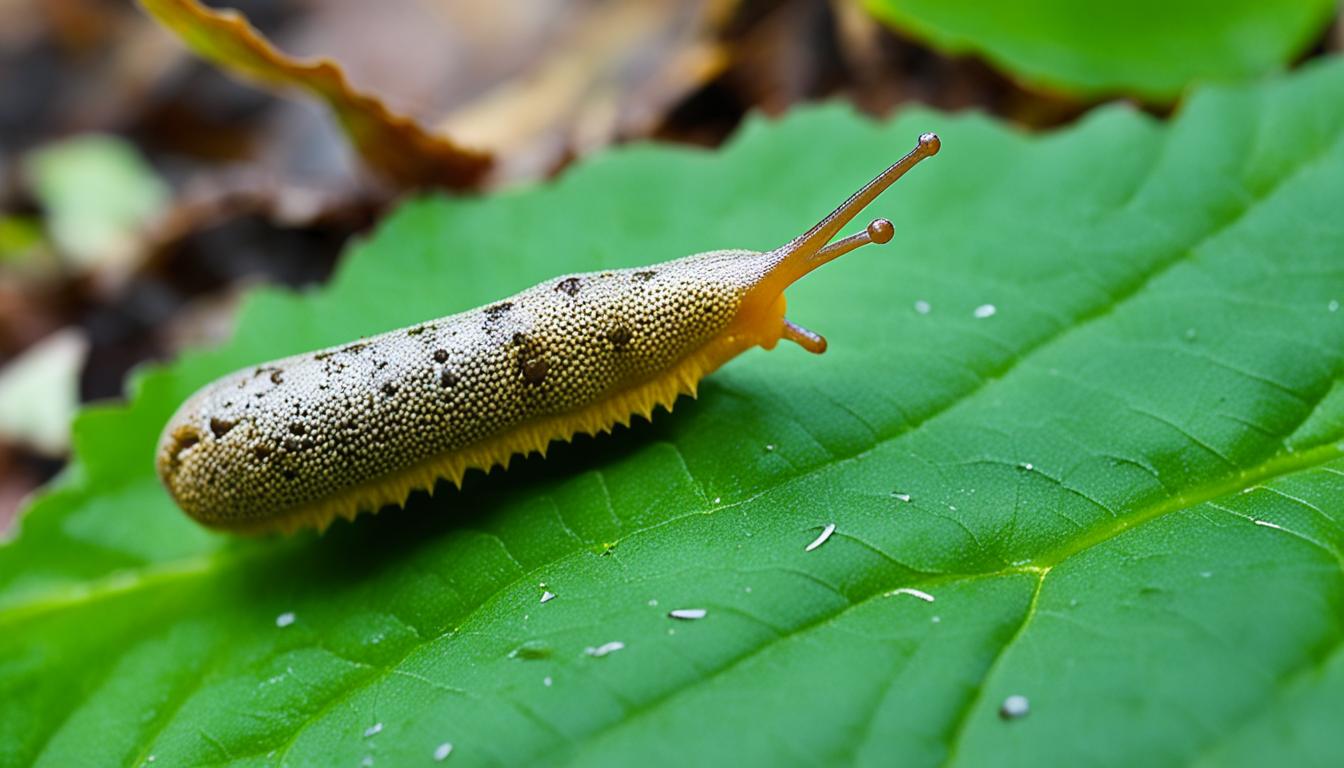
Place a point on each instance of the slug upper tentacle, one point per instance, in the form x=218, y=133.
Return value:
x=300, y=441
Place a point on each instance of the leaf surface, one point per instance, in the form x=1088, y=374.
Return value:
x=1125, y=484
x=1149, y=48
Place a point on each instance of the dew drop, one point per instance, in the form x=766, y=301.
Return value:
x=1333, y=306
x=653, y=602
x=531, y=650
x=373, y=730
x=922, y=595
x=923, y=307
x=1027, y=465
x=1014, y=707
x=825, y=534
x=442, y=751
x=604, y=649
x=547, y=596
x=769, y=447
x=284, y=619
x=687, y=614
x=936, y=619
x=547, y=681
x=900, y=496
x=718, y=499
x=985, y=310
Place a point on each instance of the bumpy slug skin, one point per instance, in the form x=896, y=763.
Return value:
x=300, y=441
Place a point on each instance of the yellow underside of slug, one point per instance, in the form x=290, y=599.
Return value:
x=531, y=436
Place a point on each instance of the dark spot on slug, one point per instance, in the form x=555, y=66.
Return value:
x=381, y=364
x=220, y=427
x=534, y=370
x=389, y=389
x=417, y=330
x=183, y=439
x=261, y=452
x=440, y=355
x=323, y=355
x=276, y=378
x=355, y=348
x=493, y=311
x=447, y=378
x=290, y=474
x=619, y=336
x=308, y=442
x=644, y=276
x=569, y=285
x=297, y=428
x=291, y=445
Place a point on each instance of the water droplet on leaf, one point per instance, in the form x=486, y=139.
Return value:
x=1014, y=707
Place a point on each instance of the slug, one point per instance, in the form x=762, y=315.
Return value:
x=300, y=441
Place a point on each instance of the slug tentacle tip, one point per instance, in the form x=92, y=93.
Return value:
x=815, y=247
x=810, y=250
x=810, y=340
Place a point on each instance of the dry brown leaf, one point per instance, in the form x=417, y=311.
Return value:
x=394, y=145
x=615, y=77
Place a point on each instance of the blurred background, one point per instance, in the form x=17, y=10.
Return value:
x=142, y=190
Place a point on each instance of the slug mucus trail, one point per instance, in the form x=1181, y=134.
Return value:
x=300, y=441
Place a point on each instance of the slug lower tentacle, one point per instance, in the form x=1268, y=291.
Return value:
x=300, y=441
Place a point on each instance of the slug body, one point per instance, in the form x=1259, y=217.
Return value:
x=300, y=441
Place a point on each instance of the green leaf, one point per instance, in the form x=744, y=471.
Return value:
x=39, y=392
x=99, y=195
x=20, y=239
x=1125, y=485
x=1150, y=48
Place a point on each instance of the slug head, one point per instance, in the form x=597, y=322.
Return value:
x=761, y=313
